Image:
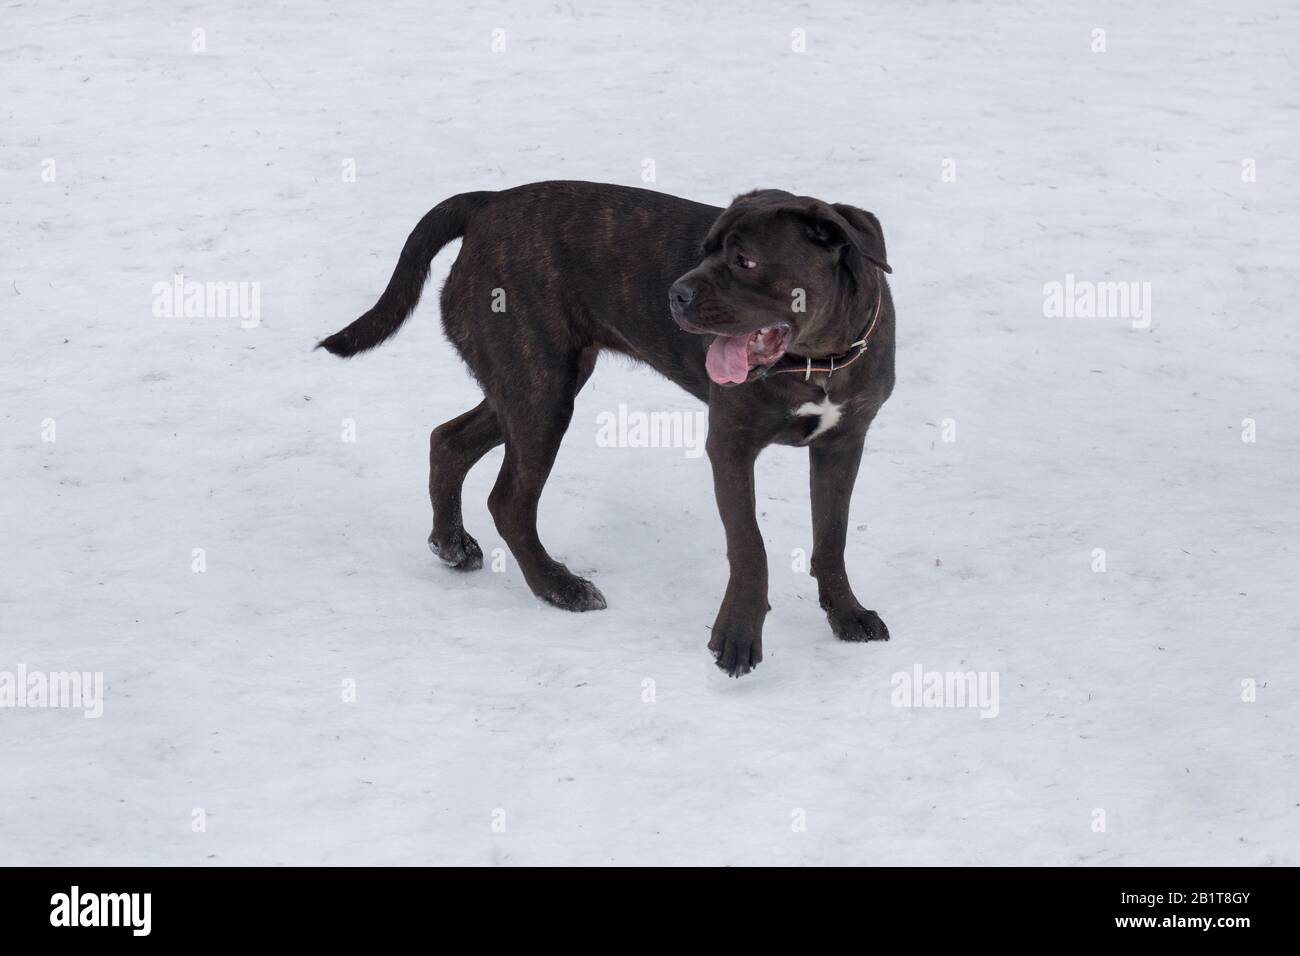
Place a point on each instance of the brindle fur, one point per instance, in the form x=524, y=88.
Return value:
x=586, y=267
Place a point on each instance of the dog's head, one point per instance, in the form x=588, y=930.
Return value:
x=780, y=273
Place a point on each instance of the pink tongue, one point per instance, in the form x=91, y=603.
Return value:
x=728, y=359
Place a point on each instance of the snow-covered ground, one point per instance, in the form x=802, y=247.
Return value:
x=488, y=728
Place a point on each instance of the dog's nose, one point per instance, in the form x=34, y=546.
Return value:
x=680, y=295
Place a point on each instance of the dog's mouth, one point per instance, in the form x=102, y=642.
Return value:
x=732, y=357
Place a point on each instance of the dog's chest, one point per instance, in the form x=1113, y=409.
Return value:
x=817, y=418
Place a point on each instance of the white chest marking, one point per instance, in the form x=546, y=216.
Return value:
x=830, y=415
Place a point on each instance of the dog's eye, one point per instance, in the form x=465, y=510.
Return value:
x=745, y=262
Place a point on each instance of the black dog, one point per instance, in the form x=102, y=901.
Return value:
x=793, y=343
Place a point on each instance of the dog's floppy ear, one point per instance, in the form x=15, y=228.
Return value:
x=870, y=237
x=849, y=226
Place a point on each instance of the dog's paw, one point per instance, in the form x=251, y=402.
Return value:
x=458, y=550
x=734, y=652
x=574, y=594
x=857, y=624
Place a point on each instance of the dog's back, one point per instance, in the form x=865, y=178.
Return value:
x=546, y=268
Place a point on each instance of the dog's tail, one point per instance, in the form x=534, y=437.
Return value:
x=440, y=225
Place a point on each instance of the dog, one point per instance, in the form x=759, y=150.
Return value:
x=774, y=311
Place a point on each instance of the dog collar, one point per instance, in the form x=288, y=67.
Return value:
x=834, y=363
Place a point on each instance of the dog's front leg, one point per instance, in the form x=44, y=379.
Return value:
x=834, y=463
x=737, y=639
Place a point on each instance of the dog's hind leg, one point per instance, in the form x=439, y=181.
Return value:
x=454, y=447
x=535, y=423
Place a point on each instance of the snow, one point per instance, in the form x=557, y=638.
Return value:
x=1120, y=691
